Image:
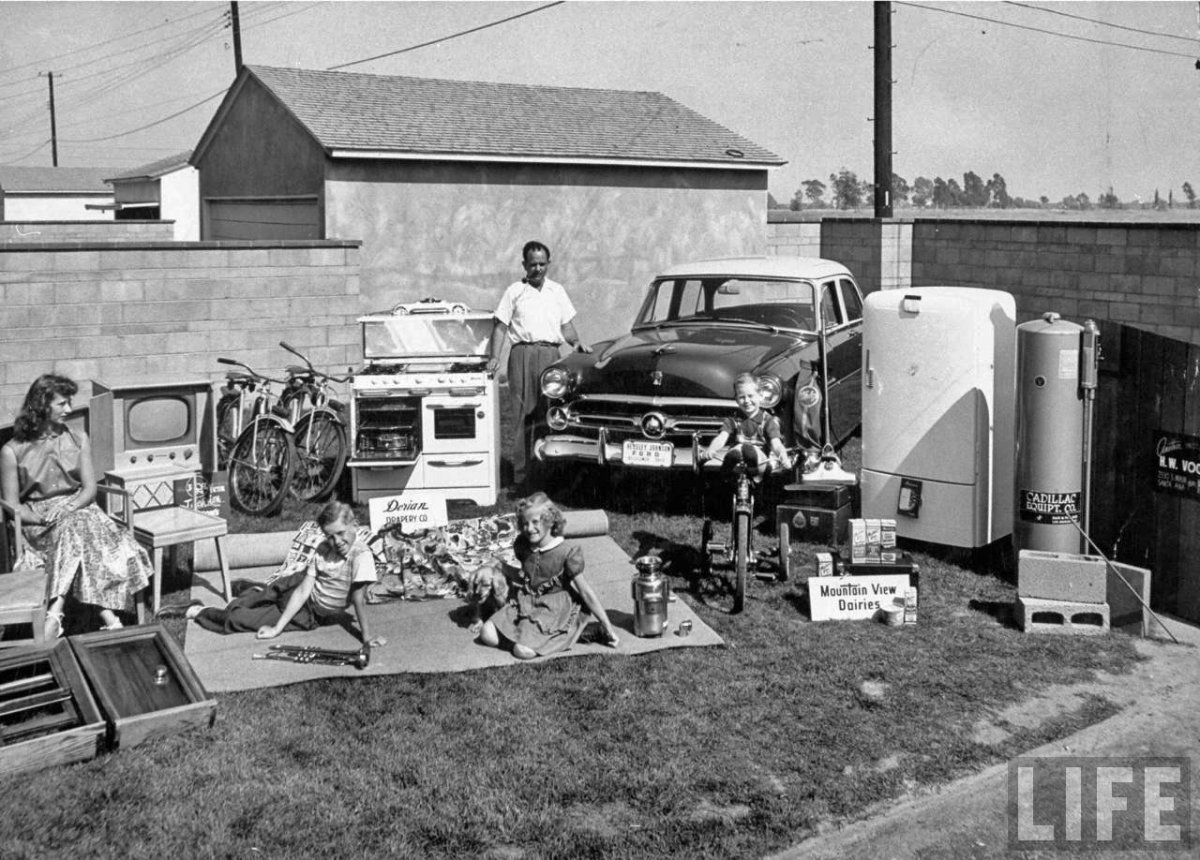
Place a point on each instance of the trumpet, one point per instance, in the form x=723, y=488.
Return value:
x=359, y=658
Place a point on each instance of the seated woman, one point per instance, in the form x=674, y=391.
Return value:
x=46, y=473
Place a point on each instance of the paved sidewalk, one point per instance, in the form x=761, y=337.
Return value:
x=1160, y=716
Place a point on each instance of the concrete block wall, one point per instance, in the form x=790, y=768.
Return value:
x=1139, y=274
x=122, y=311
x=86, y=231
x=794, y=238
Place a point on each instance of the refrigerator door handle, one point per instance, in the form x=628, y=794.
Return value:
x=870, y=374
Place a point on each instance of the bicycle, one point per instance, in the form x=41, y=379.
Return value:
x=738, y=552
x=319, y=428
x=254, y=441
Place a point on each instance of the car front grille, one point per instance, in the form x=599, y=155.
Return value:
x=623, y=418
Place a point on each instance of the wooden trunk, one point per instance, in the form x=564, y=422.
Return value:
x=145, y=685
x=48, y=715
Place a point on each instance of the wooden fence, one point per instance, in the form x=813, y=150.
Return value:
x=1147, y=396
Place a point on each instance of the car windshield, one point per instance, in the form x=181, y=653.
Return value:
x=782, y=304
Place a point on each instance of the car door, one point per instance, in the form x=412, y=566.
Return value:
x=841, y=306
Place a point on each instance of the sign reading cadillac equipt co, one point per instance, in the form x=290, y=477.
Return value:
x=1036, y=506
x=1178, y=463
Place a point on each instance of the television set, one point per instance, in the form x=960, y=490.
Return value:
x=153, y=425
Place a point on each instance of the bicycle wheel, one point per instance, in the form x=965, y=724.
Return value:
x=227, y=426
x=261, y=465
x=320, y=455
x=741, y=561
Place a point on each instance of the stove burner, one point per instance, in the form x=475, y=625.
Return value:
x=398, y=367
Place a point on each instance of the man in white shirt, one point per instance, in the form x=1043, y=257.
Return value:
x=535, y=316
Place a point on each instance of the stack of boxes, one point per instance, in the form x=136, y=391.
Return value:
x=815, y=513
x=873, y=551
x=1061, y=592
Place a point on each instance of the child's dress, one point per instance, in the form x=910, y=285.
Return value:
x=542, y=612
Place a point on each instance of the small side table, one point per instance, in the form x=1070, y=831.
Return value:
x=159, y=529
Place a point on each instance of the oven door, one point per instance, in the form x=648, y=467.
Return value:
x=385, y=429
x=454, y=423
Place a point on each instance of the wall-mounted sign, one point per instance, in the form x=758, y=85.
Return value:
x=1178, y=464
x=849, y=598
x=414, y=510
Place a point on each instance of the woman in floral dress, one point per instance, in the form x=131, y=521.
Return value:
x=46, y=473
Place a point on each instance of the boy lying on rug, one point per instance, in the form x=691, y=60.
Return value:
x=336, y=577
x=549, y=601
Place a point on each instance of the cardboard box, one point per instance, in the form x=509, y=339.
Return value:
x=145, y=685
x=903, y=564
x=49, y=714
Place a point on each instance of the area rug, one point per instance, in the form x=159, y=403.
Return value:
x=429, y=635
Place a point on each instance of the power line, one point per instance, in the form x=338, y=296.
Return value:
x=150, y=124
x=445, y=38
x=1103, y=23
x=1046, y=32
x=33, y=151
x=49, y=60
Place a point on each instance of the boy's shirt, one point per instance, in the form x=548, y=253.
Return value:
x=336, y=575
x=754, y=429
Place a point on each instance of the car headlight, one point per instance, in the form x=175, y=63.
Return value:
x=556, y=382
x=770, y=389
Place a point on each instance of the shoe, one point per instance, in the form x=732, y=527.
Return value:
x=53, y=628
x=176, y=610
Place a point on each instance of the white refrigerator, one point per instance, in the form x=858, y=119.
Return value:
x=939, y=393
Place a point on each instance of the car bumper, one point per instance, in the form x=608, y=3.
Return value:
x=559, y=447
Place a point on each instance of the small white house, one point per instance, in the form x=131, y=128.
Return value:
x=165, y=190
x=55, y=193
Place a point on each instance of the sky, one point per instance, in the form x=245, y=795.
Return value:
x=1058, y=98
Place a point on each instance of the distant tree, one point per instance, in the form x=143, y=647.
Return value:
x=1159, y=203
x=797, y=201
x=922, y=192
x=955, y=193
x=941, y=193
x=1079, y=202
x=1171, y=198
x=1044, y=200
x=1190, y=194
x=900, y=190
x=997, y=191
x=847, y=194
x=974, y=192
x=814, y=190
x=1108, y=200
x=866, y=191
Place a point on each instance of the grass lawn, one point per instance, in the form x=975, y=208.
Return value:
x=712, y=752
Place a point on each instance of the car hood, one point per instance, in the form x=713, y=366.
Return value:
x=680, y=361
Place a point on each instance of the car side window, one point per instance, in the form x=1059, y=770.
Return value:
x=850, y=300
x=831, y=312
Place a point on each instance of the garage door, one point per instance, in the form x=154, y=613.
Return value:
x=263, y=219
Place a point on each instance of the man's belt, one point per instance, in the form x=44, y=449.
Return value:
x=537, y=343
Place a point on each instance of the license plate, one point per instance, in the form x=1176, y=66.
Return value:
x=656, y=455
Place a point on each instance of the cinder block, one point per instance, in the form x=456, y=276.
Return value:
x=1062, y=576
x=1061, y=616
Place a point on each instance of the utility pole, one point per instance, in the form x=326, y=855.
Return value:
x=237, y=38
x=883, y=109
x=53, y=122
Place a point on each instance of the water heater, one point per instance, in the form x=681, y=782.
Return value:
x=938, y=386
x=1050, y=435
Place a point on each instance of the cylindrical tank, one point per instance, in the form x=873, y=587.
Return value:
x=649, y=597
x=1050, y=431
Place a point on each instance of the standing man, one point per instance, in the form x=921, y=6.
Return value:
x=535, y=315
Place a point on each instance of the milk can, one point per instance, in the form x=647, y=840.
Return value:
x=649, y=597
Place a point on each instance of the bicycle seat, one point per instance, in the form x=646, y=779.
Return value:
x=297, y=370
x=239, y=377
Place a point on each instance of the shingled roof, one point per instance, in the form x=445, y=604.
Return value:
x=154, y=169
x=348, y=113
x=55, y=180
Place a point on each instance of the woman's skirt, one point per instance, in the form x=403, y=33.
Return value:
x=86, y=555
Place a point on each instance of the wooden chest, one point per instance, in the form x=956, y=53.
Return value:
x=145, y=686
x=48, y=715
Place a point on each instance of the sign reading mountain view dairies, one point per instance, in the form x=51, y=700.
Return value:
x=1177, y=464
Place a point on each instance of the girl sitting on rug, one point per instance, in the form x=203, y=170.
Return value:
x=549, y=601
x=46, y=474
x=335, y=579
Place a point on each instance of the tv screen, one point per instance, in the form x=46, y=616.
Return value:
x=156, y=419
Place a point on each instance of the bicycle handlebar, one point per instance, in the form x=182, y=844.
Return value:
x=251, y=371
x=311, y=369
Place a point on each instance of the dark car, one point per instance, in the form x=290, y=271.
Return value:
x=652, y=398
